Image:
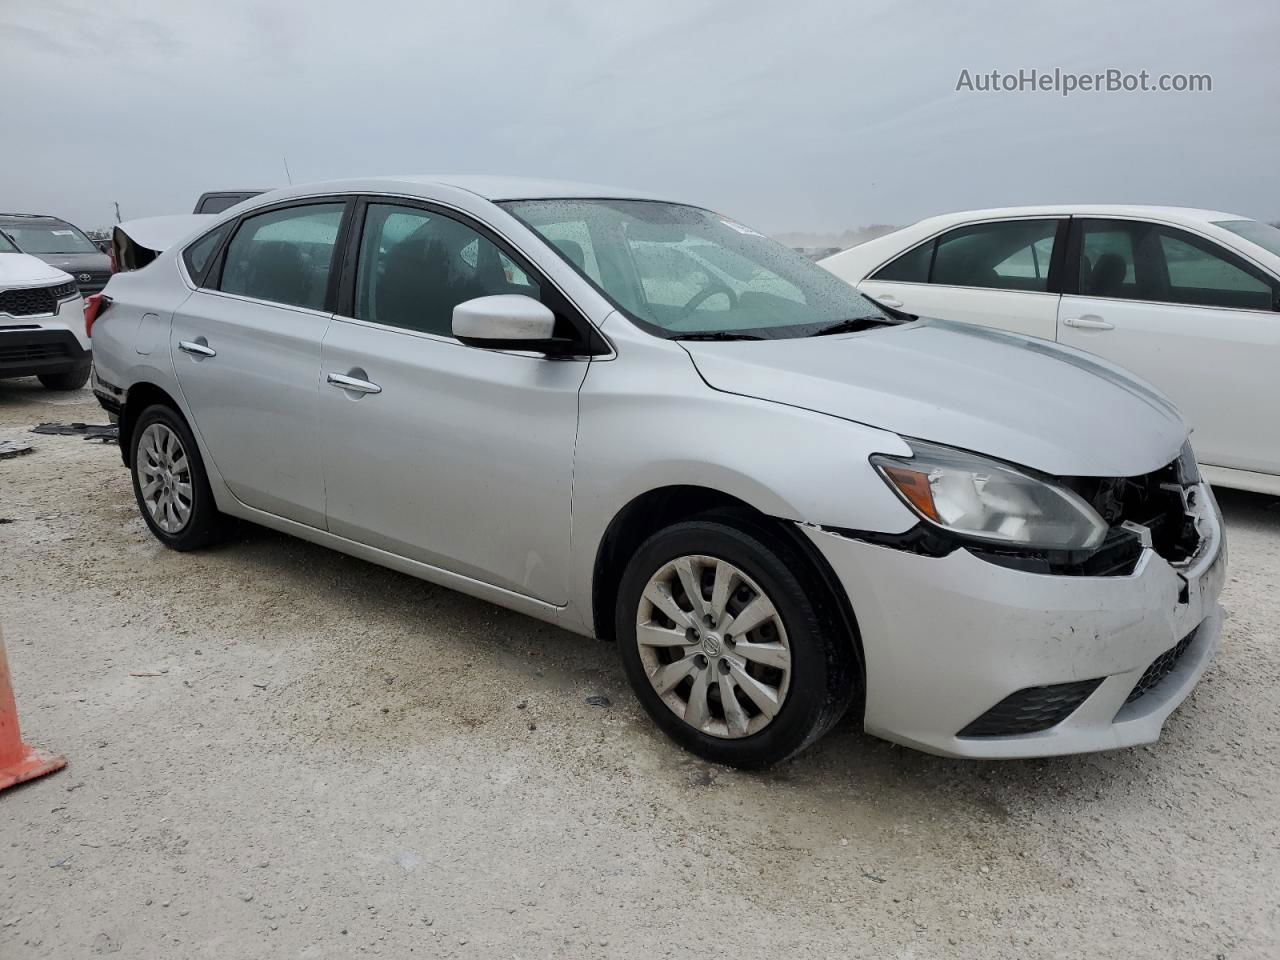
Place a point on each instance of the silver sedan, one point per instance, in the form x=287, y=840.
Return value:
x=643, y=421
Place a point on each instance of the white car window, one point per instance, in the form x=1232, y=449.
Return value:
x=1004, y=255
x=1136, y=260
x=1196, y=275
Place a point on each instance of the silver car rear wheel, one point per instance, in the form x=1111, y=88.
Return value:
x=713, y=646
x=164, y=478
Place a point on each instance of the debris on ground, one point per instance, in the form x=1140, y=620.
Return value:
x=14, y=448
x=104, y=432
x=598, y=700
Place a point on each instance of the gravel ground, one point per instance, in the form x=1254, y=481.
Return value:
x=279, y=751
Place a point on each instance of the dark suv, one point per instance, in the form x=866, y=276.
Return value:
x=216, y=201
x=59, y=244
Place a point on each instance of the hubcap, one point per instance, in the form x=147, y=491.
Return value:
x=164, y=476
x=713, y=646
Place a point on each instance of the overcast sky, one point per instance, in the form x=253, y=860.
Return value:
x=793, y=115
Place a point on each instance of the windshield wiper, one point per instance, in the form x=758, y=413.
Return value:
x=851, y=325
x=717, y=335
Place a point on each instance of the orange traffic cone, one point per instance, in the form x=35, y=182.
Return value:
x=18, y=762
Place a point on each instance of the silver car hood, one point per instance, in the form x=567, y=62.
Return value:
x=1027, y=401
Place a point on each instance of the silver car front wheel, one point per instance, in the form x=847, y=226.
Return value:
x=713, y=646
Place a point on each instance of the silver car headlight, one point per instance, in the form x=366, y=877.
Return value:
x=983, y=499
x=1188, y=468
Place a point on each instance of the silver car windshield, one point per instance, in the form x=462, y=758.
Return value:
x=682, y=271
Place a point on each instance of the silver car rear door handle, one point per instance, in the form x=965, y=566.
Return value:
x=1089, y=323
x=197, y=349
x=353, y=384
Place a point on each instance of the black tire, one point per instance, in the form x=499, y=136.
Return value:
x=205, y=525
x=823, y=677
x=69, y=380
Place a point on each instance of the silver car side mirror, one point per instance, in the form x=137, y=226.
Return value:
x=509, y=321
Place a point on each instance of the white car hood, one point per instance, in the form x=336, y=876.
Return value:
x=1027, y=401
x=24, y=270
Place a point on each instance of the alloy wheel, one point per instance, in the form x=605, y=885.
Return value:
x=713, y=646
x=164, y=477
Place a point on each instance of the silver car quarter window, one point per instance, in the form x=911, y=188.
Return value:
x=197, y=255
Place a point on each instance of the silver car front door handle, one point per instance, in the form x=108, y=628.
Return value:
x=354, y=384
x=196, y=349
x=890, y=301
x=1089, y=323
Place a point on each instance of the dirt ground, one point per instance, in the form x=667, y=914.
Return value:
x=278, y=751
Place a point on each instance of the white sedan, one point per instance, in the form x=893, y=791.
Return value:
x=1187, y=299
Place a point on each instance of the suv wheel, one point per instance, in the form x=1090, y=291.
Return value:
x=170, y=483
x=70, y=380
x=726, y=649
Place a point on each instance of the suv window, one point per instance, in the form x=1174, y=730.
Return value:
x=198, y=254
x=218, y=202
x=1134, y=260
x=48, y=236
x=416, y=265
x=284, y=255
x=1009, y=255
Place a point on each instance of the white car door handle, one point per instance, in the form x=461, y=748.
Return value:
x=1089, y=323
x=196, y=349
x=889, y=301
x=354, y=384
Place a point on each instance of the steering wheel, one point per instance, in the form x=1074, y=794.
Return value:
x=710, y=290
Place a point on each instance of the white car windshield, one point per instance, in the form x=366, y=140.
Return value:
x=1255, y=231
x=6, y=245
x=684, y=272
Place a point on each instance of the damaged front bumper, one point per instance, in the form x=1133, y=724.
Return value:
x=952, y=640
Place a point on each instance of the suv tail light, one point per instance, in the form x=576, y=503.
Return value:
x=94, y=306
